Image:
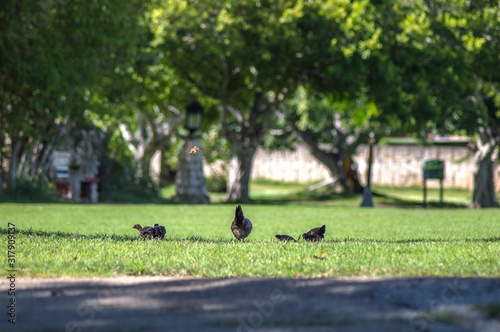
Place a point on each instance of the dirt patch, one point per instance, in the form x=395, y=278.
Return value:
x=254, y=304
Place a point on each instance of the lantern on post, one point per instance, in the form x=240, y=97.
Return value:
x=191, y=185
x=194, y=112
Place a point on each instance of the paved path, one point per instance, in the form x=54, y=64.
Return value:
x=251, y=304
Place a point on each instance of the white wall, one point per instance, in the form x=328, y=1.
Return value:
x=393, y=165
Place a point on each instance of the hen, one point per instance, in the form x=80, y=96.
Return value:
x=315, y=234
x=241, y=226
x=285, y=238
x=146, y=232
x=159, y=232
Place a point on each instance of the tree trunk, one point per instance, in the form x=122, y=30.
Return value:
x=332, y=160
x=240, y=171
x=244, y=143
x=152, y=134
x=484, y=185
x=367, y=190
x=43, y=166
x=14, y=159
x=25, y=157
x=488, y=145
x=145, y=162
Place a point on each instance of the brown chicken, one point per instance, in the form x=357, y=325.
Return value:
x=315, y=234
x=159, y=232
x=241, y=226
x=146, y=232
x=285, y=238
x=194, y=150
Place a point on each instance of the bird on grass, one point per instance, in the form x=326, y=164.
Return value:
x=285, y=238
x=315, y=234
x=146, y=232
x=241, y=226
x=159, y=232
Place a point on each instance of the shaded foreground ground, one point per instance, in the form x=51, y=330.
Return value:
x=250, y=304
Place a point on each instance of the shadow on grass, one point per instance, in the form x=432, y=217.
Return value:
x=199, y=239
x=390, y=200
x=380, y=199
x=417, y=240
x=110, y=237
x=301, y=197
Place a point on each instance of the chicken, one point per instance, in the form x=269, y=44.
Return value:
x=194, y=150
x=241, y=226
x=146, y=232
x=315, y=234
x=285, y=238
x=159, y=232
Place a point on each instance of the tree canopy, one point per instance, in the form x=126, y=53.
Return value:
x=331, y=71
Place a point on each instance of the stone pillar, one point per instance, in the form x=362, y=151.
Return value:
x=190, y=181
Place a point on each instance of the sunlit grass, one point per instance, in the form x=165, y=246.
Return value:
x=89, y=240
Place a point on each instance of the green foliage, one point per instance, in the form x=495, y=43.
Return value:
x=64, y=69
x=216, y=183
x=131, y=193
x=37, y=191
x=384, y=66
x=55, y=56
x=98, y=240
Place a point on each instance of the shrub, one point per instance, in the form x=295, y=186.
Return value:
x=30, y=191
x=216, y=183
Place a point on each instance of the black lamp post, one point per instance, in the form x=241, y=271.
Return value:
x=194, y=112
x=191, y=186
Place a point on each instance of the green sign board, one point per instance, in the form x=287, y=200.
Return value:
x=433, y=169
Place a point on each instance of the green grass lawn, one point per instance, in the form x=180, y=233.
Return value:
x=98, y=240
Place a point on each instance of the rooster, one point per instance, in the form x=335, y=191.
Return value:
x=315, y=234
x=146, y=232
x=241, y=226
x=159, y=232
x=285, y=238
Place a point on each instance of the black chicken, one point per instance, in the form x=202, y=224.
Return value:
x=146, y=232
x=315, y=234
x=241, y=226
x=285, y=238
x=159, y=232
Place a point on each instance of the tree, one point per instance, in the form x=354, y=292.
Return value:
x=449, y=54
x=472, y=30
x=151, y=107
x=435, y=70
x=246, y=55
x=488, y=145
x=53, y=56
x=332, y=131
x=152, y=134
x=341, y=103
x=483, y=42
